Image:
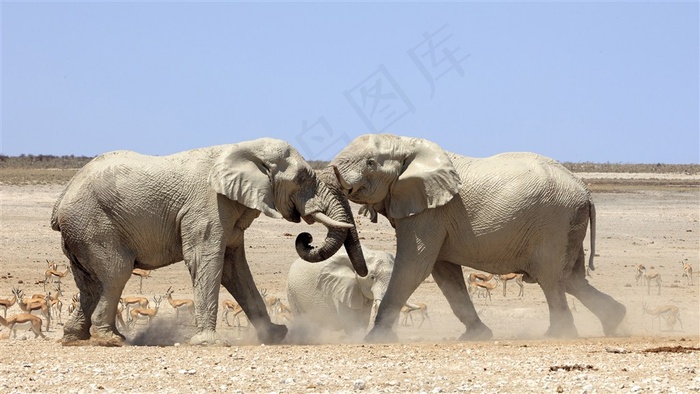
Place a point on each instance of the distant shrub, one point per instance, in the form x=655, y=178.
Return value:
x=634, y=168
x=43, y=161
x=73, y=162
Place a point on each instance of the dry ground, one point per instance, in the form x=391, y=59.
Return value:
x=650, y=223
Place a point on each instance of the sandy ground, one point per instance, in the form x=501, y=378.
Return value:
x=653, y=227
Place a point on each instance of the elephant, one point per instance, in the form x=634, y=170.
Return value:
x=124, y=210
x=513, y=212
x=330, y=295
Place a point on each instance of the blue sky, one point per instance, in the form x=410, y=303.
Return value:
x=601, y=82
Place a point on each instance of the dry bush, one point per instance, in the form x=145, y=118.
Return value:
x=43, y=161
x=634, y=168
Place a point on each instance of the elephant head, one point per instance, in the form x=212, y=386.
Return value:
x=338, y=281
x=271, y=176
x=396, y=176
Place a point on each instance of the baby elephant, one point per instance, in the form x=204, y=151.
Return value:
x=329, y=295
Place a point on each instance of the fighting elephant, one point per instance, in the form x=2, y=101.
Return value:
x=124, y=210
x=331, y=296
x=513, y=212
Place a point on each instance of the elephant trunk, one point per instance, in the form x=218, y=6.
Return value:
x=338, y=209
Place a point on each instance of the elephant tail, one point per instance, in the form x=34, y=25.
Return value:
x=591, y=213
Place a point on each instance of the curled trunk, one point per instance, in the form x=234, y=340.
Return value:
x=338, y=209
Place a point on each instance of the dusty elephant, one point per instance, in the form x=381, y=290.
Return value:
x=125, y=210
x=513, y=212
x=331, y=296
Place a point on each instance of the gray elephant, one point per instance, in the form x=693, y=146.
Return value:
x=331, y=296
x=513, y=212
x=125, y=210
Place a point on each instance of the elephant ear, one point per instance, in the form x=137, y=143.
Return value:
x=428, y=180
x=338, y=281
x=246, y=172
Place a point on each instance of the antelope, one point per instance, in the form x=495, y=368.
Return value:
x=33, y=323
x=518, y=281
x=184, y=304
x=284, y=308
x=408, y=308
x=271, y=302
x=284, y=317
x=6, y=303
x=75, y=301
x=119, y=318
x=639, y=273
x=54, y=301
x=669, y=312
x=655, y=276
x=34, y=307
x=688, y=272
x=142, y=303
x=143, y=313
x=229, y=306
x=53, y=275
x=478, y=276
x=51, y=265
x=483, y=286
x=284, y=313
x=141, y=273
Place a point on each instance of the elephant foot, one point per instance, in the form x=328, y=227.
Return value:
x=107, y=333
x=76, y=331
x=561, y=331
x=272, y=334
x=73, y=335
x=611, y=322
x=105, y=337
x=207, y=338
x=381, y=335
x=477, y=332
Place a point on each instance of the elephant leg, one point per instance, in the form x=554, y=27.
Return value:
x=450, y=280
x=561, y=321
x=206, y=278
x=417, y=248
x=105, y=313
x=100, y=288
x=610, y=312
x=78, y=325
x=238, y=280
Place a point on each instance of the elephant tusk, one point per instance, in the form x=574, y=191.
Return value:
x=342, y=181
x=328, y=222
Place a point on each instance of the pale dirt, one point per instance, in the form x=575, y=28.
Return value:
x=657, y=228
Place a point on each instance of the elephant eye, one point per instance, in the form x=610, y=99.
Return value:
x=371, y=162
x=372, y=277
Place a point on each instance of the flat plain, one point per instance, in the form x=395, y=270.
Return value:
x=650, y=219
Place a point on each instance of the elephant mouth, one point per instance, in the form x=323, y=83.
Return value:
x=294, y=216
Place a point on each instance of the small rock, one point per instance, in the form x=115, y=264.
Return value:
x=359, y=384
x=617, y=350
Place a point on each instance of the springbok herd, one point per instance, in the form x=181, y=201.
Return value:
x=36, y=313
